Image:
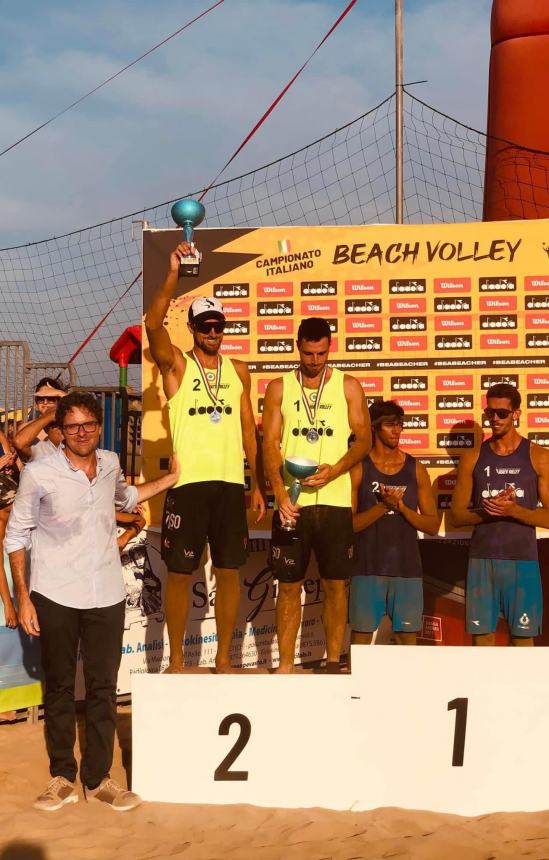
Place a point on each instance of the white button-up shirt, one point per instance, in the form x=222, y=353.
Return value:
x=69, y=524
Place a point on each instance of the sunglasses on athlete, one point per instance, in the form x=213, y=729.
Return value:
x=501, y=413
x=205, y=327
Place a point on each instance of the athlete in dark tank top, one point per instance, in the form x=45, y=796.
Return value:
x=502, y=490
x=392, y=500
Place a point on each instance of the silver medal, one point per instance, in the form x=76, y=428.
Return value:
x=312, y=436
x=215, y=417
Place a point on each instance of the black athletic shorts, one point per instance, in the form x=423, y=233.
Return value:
x=212, y=511
x=327, y=530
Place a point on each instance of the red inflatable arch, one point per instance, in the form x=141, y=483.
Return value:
x=517, y=176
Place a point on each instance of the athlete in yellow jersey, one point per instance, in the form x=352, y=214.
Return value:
x=212, y=427
x=311, y=413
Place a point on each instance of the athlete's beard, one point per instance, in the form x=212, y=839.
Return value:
x=210, y=348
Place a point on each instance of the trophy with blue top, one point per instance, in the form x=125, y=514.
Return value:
x=189, y=214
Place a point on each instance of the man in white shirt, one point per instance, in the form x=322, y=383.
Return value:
x=65, y=511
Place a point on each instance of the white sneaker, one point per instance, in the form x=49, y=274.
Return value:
x=58, y=792
x=108, y=791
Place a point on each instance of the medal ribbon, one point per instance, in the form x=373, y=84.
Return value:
x=311, y=414
x=212, y=394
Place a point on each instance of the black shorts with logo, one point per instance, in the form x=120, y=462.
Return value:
x=326, y=529
x=212, y=511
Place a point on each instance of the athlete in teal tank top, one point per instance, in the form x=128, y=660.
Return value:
x=311, y=413
x=208, y=503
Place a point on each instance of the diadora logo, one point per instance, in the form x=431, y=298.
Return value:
x=537, y=303
x=332, y=322
x=363, y=306
x=373, y=398
x=456, y=401
x=539, y=438
x=407, y=286
x=408, y=323
x=497, y=285
x=495, y=379
x=538, y=400
x=416, y=422
x=535, y=341
x=238, y=327
x=225, y=291
x=260, y=403
x=455, y=440
x=318, y=288
x=409, y=383
x=498, y=321
x=275, y=308
x=453, y=342
x=357, y=344
x=453, y=305
x=444, y=501
x=284, y=345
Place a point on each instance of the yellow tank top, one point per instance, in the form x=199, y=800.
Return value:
x=207, y=451
x=332, y=425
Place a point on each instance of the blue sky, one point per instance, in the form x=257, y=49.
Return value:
x=166, y=126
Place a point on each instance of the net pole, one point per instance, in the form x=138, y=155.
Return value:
x=399, y=117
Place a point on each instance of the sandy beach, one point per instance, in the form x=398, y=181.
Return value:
x=156, y=831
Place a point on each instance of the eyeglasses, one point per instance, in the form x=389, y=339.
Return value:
x=501, y=413
x=86, y=427
x=205, y=327
x=45, y=398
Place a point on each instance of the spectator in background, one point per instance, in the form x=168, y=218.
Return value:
x=9, y=477
x=41, y=437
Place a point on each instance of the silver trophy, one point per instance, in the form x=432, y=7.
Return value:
x=299, y=468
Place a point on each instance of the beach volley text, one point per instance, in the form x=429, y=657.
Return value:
x=499, y=250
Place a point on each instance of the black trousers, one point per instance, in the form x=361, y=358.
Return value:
x=99, y=632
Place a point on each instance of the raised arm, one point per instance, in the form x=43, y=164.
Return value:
x=428, y=518
x=359, y=422
x=460, y=514
x=28, y=432
x=250, y=441
x=168, y=358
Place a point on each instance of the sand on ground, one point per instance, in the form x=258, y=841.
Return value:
x=156, y=831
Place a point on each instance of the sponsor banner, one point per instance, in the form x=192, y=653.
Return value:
x=430, y=315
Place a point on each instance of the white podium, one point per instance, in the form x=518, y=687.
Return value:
x=461, y=730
